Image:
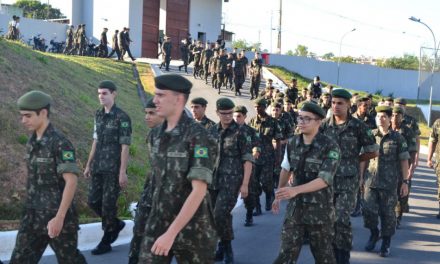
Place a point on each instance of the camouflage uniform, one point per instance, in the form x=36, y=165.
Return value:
x=206, y=58
x=166, y=49
x=206, y=122
x=381, y=182
x=69, y=41
x=434, y=138
x=235, y=148
x=267, y=129
x=402, y=203
x=353, y=136
x=292, y=94
x=256, y=68
x=367, y=119
x=411, y=122
x=310, y=212
x=47, y=160
x=220, y=70
x=286, y=124
x=112, y=130
x=239, y=74
x=178, y=157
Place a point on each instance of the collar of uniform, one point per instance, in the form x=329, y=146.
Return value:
x=378, y=133
x=231, y=126
x=33, y=140
x=175, y=131
x=333, y=123
x=111, y=112
x=300, y=141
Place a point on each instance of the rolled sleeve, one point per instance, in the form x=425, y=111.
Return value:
x=201, y=174
x=371, y=148
x=68, y=168
x=404, y=156
x=247, y=157
x=125, y=140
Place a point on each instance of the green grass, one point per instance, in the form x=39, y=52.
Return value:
x=72, y=82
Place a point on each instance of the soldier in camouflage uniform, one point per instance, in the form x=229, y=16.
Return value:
x=410, y=122
x=352, y=135
x=382, y=177
x=184, y=54
x=49, y=216
x=82, y=40
x=292, y=91
x=207, y=54
x=288, y=111
x=220, y=64
x=433, y=147
x=410, y=137
x=313, y=158
x=268, y=130
x=325, y=102
x=198, y=109
x=144, y=205
x=256, y=72
x=69, y=41
x=107, y=164
x=197, y=52
x=180, y=223
x=232, y=172
x=240, y=114
x=166, y=50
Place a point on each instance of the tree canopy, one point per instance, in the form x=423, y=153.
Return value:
x=37, y=10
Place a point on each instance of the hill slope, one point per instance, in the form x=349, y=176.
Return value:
x=72, y=81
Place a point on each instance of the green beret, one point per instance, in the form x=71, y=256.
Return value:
x=341, y=93
x=34, y=100
x=225, y=104
x=384, y=109
x=107, y=84
x=240, y=109
x=260, y=102
x=398, y=109
x=313, y=108
x=173, y=82
x=200, y=101
x=150, y=103
x=363, y=99
x=400, y=100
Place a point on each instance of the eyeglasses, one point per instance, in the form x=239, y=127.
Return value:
x=225, y=113
x=305, y=119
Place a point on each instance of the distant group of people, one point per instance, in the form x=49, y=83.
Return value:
x=14, y=28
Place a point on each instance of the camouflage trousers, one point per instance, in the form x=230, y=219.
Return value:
x=292, y=236
x=224, y=200
x=437, y=172
x=32, y=239
x=250, y=200
x=103, y=197
x=185, y=252
x=219, y=80
x=345, y=191
x=255, y=86
x=264, y=177
x=142, y=212
x=380, y=204
x=402, y=202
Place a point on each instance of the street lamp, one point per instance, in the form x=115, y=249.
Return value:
x=433, y=66
x=339, y=57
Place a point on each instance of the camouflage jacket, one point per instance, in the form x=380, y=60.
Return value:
x=320, y=159
x=112, y=130
x=286, y=124
x=384, y=171
x=234, y=148
x=351, y=137
x=220, y=64
x=255, y=139
x=178, y=157
x=410, y=138
x=434, y=138
x=256, y=67
x=206, y=122
x=267, y=129
x=206, y=56
x=367, y=119
x=47, y=159
x=292, y=94
x=411, y=122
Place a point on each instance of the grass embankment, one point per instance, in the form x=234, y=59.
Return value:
x=72, y=81
x=412, y=110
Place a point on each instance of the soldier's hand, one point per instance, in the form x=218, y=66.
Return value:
x=163, y=244
x=430, y=164
x=244, y=191
x=404, y=190
x=276, y=206
x=286, y=193
x=123, y=179
x=87, y=172
x=256, y=154
x=54, y=226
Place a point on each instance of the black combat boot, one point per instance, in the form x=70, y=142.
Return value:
x=102, y=248
x=374, y=237
x=229, y=255
x=220, y=252
x=269, y=201
x=257, y=208
x=114, y=235
x=385, y=248
x=249, y=219
x=344, y=257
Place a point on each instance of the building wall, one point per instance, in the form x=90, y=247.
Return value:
x=150, y=28
x=177, y=23
x=135, y=24
x=205, y=16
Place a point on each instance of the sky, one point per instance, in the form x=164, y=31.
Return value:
x=382, y=26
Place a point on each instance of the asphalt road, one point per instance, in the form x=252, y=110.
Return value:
x=418, y=240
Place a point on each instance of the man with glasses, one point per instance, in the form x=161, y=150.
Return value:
x=352, y=135
x=312, y=158
x=232, y=172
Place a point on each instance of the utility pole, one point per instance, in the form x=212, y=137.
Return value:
x=279, y=28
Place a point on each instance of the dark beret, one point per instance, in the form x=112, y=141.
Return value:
x=363, y=99
x=199, y=101
x=260, y=102
x=313, y=108
x=384, y=109
x=34, y=100
x=398, y=109
x=341, y=93
x=224, y=104
x=173, y=82
x=276, y=104
x=106, y=84
x=150, y=103
x=240, y=109
x=400, y=100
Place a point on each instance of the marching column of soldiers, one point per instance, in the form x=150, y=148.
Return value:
x=325, y=157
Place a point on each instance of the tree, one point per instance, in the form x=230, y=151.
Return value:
x=290, y=53
x=407, y=62
x=301, y=50
x=328, y=56
x=37, y=10
x=240, y=44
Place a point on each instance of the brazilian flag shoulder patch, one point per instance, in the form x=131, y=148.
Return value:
x=201, y=152
x=124, y=124
x=404, y=145
x=68, y=155
x=333, y=155
x=369, y=132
